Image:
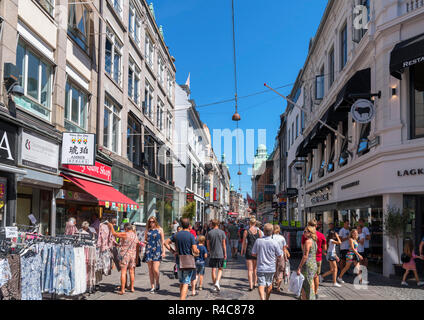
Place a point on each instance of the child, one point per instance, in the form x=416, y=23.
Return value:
x=200, y=262
x=411, y=266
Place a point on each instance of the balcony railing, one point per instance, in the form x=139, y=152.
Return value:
x=412, y=5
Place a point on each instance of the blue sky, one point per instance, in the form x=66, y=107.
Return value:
x=272, y=39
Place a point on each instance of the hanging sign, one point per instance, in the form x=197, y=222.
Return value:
x=79, y=148
x=11, y=232
x=363, y=111
x=8, y=148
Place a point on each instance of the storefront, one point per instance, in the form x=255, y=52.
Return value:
x=8, y=172
x=37, y=189
x=154, y=198
x=88, y=194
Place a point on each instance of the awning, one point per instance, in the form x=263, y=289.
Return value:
x=107, y=195
x=359, y=83
x=406, y=54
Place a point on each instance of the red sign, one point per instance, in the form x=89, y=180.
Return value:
x=215, y=196
x=190, y=197
x=99, y=171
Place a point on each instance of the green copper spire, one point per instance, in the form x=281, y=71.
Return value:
x=152, y=10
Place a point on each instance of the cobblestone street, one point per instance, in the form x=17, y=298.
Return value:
x=234, y=286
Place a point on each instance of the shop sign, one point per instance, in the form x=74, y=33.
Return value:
x=363, y=111
x=75, y=196
x=324, y=197
x=11, y=232
x=350, y=185
x=39, y=153
x=291, y=192
x=8, y=140
x=412, y=172
x=190, y=197
x=78, y=149
x=269, y=189
x=99, y=171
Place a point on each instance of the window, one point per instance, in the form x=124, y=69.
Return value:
x=149, y=151
x=148, y=101
x=169, y=126
x=134, y=141
x=288, y=140
x=169, y=167
x=292, y=135
x=78, y=24
x=344, y=154
x=117, y=5
x=330, y=167
x=134, y=81
x=161, y=161
x=417, y=101
x=149, y=51
x=331, y=67
x=113, y=56
x=48, y=5
x=302, y=121
x=297, y=126
x=35, y=76
x=343, y=47
x=161, y=71
x=363, y=139
x=320, y=85
x=134, y=23
x=112, y=127
x=159, y=115
x=76, y=107
x=170, y=85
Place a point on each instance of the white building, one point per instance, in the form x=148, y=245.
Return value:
x=380, y=164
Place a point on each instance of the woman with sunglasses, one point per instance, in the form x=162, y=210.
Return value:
x=308, y=266
x=154, y=240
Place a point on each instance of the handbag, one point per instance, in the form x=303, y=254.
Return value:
x=187, y=262
x=405, y=258
x=121, y=257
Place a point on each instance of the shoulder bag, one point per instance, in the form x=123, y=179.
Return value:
x=187, y=262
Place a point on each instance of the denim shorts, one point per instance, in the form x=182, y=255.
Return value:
x=200, y=268
x=265, y=279
x=186, y=276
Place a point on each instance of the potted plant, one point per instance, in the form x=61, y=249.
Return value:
x=395, y=223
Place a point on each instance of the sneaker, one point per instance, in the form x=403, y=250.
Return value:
x=217, y=286
x=404, y=283
x=340, y=280
x=157, y=287
x=152, y=290
x=421, y=283
x=200, y=289
x=336, y=285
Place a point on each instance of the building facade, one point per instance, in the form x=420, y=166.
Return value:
x=374, y=164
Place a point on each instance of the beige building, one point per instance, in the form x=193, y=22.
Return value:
x=98, y=67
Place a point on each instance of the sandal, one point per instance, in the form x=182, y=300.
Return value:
x=120, y=293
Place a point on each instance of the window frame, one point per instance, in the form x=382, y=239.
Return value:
x=68, y=102
x=343, y=46
x=148, y=96
x=75, y=33
x=134, y=93
x=134, y=138
x=159, y=114
x=113, y=111
x=117, y=47
x=331, y=67
x=149, y=50
x=51, y=4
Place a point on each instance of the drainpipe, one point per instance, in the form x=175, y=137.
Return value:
x=99, y=73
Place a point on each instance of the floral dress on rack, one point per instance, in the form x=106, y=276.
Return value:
x=309, y=271
x=154, y=246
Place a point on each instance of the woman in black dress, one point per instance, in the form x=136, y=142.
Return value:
x=249, y=237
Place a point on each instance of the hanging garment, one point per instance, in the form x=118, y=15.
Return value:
x=31, y=266
x=90, y=261
x=80, y=270
x=12, y=289
x=105, y=257
x=5, y=274
x=105, y=240
x=64, y=274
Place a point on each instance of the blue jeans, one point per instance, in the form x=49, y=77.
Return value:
x=200, y=268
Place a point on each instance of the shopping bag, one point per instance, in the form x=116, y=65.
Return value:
x=287, y=272
x=295, y=284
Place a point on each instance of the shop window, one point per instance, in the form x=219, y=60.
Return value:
x=78, y=24
x=417, y=101
x=36, y=77
x=134, y=141
x=76, y=105
x=363, y=146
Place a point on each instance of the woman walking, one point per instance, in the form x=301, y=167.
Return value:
x=154, y=240
x=249, y=237
x=411, y=265
x=308, y=266
x=333, y=240
x=128, y=244
x=352, y=256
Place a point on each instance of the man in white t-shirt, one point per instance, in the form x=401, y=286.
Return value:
x=367, y=234
x=344, y=247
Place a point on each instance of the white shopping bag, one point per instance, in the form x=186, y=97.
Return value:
x=287, y=273
x=295, y=284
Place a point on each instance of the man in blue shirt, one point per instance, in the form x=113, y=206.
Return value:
x=267, y=252
x=186, y=245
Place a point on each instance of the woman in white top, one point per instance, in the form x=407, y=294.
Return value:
x=333, y=240
x=361, y=242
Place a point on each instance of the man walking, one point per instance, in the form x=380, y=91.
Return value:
x=367, y=234
x=344, y=247
x=186, y=246
x=321, y=247
x=217, y=248
x=234, y=239
x=267, y=252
